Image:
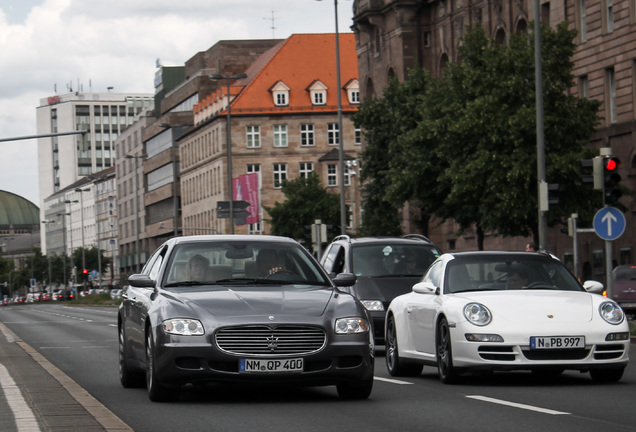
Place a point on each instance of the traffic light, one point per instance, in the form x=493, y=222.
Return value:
x=611, y=179
x=85, y=272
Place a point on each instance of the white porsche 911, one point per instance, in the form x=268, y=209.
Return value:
x=501, y=311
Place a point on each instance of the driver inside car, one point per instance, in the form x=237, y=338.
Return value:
x=267, y=263
x=198, y=267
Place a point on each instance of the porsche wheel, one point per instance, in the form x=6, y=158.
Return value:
x=157, y=392
x=127, y=377
x=394, y=363
x=445, y=369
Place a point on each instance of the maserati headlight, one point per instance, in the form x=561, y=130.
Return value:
x=351, y=325
x=611, y=312
x=478, y=314
x=183, y=327
x=373, y=305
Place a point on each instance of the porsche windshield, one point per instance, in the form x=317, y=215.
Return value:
x=504, y=273
x=236, y=262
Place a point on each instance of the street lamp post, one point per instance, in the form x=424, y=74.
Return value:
x=343, y=207
x=142, y=156
x=228, y=133
x=80, y=190
x=351, y=164
x=70, y=215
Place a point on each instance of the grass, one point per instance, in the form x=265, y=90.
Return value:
x=95, y=300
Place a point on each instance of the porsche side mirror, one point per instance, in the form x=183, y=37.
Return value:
x=424, y=288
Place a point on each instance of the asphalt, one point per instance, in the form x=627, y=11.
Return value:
x=35, y=396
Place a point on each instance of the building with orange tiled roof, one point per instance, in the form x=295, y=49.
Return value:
x=284, y=125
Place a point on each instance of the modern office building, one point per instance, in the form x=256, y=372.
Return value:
x=65, y=159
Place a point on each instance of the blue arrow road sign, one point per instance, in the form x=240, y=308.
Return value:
x=609, y=223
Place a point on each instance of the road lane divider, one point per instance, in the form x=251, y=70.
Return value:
x=517, y=405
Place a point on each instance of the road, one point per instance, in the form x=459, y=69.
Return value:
x=82, y=342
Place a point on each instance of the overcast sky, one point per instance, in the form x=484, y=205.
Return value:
x=51, y=44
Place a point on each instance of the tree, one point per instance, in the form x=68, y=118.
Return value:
x=471, y=154
x=306, y=200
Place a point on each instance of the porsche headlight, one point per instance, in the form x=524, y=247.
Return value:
x=373, y=305
x=477, y=314
x=351, y=325
x=611, y=312
x=183, y=327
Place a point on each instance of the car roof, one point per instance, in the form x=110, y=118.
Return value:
x=407, y=239
x=234, y=237
x=498, y=254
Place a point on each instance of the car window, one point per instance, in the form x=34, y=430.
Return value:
x=506, y=273
x=434, y=274
x=334, y=259
x=392, y=259
x=213, y=262
x=625, y=273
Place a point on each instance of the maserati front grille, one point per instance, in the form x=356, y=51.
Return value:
x=270, y=340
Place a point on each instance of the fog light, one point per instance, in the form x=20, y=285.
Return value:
x=617, y=336
x=476, y=337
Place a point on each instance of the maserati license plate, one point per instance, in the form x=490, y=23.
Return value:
x=271, y=365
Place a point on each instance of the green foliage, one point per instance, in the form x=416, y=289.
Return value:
x=463, y=146
x=306, y=200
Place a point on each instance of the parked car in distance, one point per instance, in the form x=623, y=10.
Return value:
x=624, y=287
x=241, y=308
x=385, y=267
x=502, y=311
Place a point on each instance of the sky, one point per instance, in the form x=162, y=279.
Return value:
x=47, y=46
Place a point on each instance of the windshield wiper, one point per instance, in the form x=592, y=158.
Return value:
x=187, y=283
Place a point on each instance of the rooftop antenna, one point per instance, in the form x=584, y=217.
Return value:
x=273, y=27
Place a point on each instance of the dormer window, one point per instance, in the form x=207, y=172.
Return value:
x=353, y=91
x=318, y=93
x=280, y=94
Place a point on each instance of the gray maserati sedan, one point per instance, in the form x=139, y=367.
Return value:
x=241, y=308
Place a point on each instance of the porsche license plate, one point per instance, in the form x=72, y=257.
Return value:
x=557, y=342
x=270, y=365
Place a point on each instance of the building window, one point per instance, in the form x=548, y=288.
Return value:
x=607, y=14
x=281, y=99
x=280, y=174
x=318, y=93
x=307, y=134
x=584, y=87
x=305, y=169
x=582, y=20
x=280, y=135
x=426, y=36
x=358, y=135
x=332, y=175
x=253, y=136
x=610, y=97
x=333, y=136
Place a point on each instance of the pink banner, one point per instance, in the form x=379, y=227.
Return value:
x=246, y=189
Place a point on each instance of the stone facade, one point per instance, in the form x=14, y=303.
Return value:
x=394, y=35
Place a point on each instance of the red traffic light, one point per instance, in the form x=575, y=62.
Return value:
x=84, y=271
x=612, y=164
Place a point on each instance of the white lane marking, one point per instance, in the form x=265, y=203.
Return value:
x=24, y=417
x=518, y=405
x=393, y=381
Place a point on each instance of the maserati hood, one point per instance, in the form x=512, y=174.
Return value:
x=259, y=300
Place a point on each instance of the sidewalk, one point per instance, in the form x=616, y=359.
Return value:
x=37, y=396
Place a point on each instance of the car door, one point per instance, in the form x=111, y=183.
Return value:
x=136, y=302
x=422, y=311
